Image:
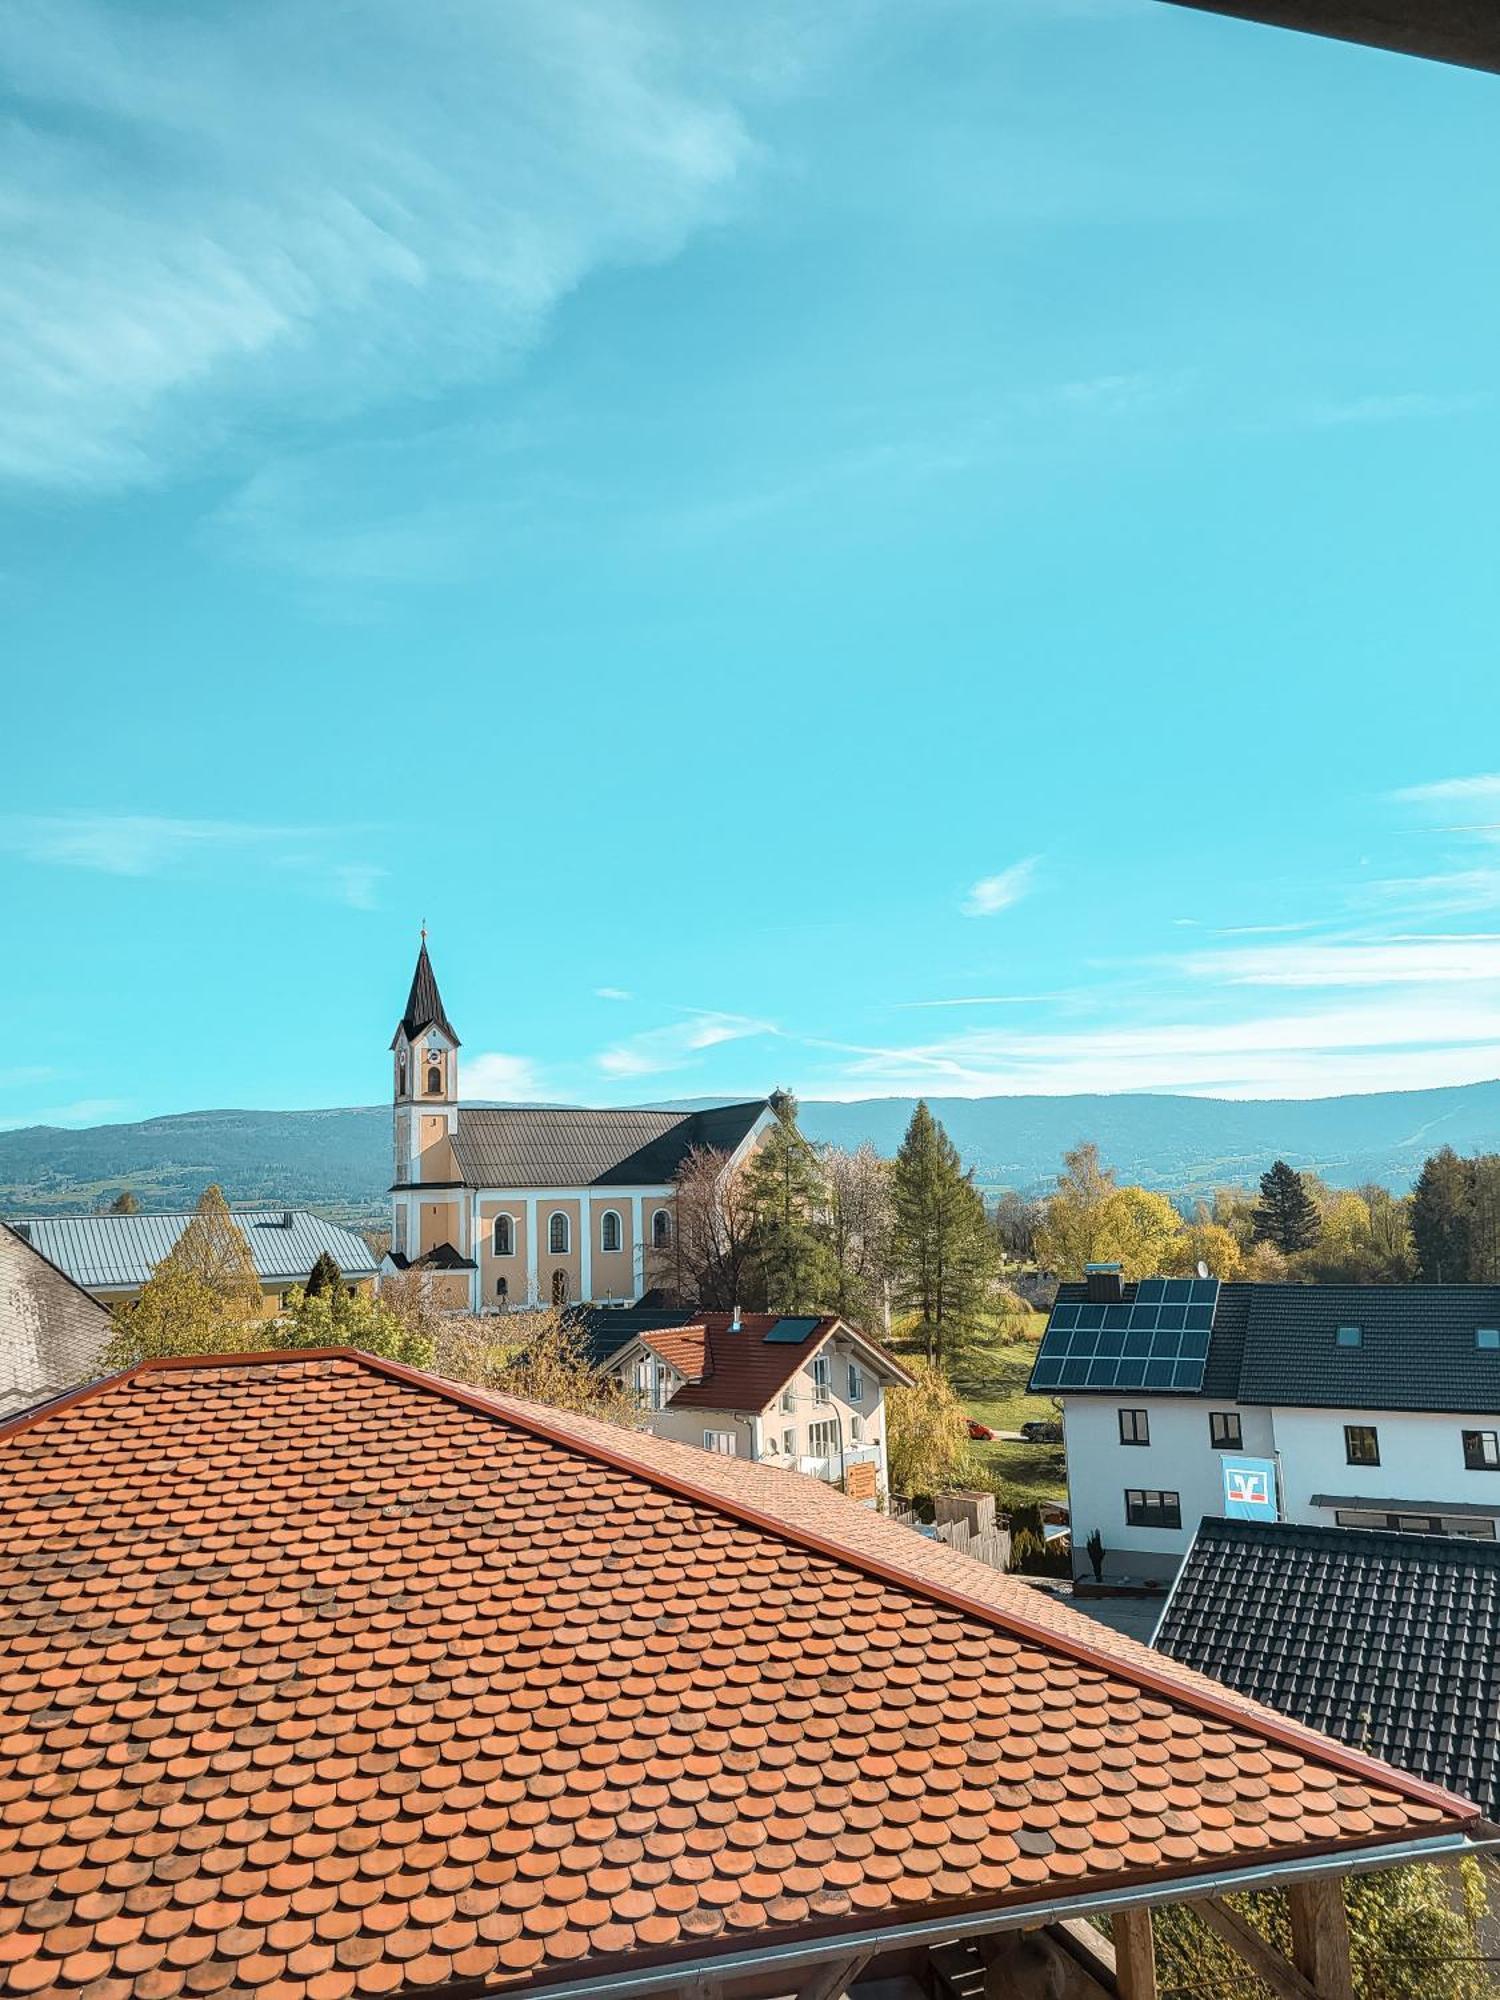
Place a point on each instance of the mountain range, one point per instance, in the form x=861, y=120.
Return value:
x=339, y=1160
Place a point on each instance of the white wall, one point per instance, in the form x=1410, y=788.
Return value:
x=1179, y=1458
x=1421, y=1459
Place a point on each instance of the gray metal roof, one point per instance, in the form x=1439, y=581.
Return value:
x=1390, y=1642
x=1275, y=1344
x=109, y=1253
x=537, y=1146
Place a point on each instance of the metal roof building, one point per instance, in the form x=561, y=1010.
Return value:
x=117, y=1253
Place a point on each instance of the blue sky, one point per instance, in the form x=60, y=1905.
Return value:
x=881, y=547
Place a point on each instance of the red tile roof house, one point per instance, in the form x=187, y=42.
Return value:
x=320, y=1677
x=806, y=1394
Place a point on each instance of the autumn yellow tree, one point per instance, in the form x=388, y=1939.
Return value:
x=213, y=1249
x=177, y=1312
x=1208, y=1243
x=1090, y=1219
x=539, y=1354
x=927, y=1433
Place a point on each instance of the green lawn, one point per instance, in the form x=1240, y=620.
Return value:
x=991, y=1382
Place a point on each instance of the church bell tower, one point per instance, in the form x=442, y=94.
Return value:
x=424, y=1052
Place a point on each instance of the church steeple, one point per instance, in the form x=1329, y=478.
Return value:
x=424, y=1004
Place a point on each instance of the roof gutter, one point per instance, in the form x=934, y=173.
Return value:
x=685, y=1972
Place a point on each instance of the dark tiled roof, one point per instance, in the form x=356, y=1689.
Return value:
x=324, y=1678
x=424, y=1004
x=51, y=1330
x=606, y=1329
x=1390, y=1642
x=550, y=1147
x=1275, y=1344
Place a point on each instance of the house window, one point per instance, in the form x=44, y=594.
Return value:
x=856, y=1430
x=1349, y=1336
x=823, y=1439
x=1488, y=1338
x=856, y=1383
x=788, y=1401
x=1482, y=1450
x=722, y=1442
x=822, y=1374
x=789, y=1443
x=505, y=1236
x=1361, y=1444
x=559, y=1234
x=559, y=1288
x=1146, y=1508
x=1135, y=1427
x=611, y=1235
x=502, y=1288
x=661, y=1379
x=1224, y=1430
x=661, y=1229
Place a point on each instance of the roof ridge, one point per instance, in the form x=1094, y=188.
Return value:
x=1164, y=1684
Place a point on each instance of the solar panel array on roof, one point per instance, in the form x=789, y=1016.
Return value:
x=1159, y=1340
x=792, y=1331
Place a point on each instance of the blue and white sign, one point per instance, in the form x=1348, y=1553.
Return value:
x=1250, y=1489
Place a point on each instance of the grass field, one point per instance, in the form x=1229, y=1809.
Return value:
x=991, y=1383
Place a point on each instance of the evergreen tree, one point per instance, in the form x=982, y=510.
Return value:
x=1441, y=1218
x=944, y=1251
x=1286, y=1215
x=325, y=1276
x=785, y=1189
x=213, y=1250
x=124, y=1203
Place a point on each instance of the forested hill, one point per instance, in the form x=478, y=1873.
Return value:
x=338, y=1160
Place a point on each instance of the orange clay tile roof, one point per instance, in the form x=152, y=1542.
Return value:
x=738, y=1368
x=322, y=1678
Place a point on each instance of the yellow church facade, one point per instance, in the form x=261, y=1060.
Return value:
x=520, y=1205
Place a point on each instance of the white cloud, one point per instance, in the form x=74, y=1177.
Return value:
x=1483, y=789
x=1399, y=407
x=218, y=219
x=511, y=1079
x=612, y=993
x=674, y=1047
x=145, y=844
x=1415, y=961
x=994, y=893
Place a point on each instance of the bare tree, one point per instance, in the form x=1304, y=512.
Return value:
x=1017, y=1220
x=715, y=1232
x=859, y=1220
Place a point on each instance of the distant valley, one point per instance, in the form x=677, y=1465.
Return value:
x=338, y=1160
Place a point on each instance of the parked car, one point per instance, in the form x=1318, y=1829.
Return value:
x=981, y=1432
x=1042, y=1431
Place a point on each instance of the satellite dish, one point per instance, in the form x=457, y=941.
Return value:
x=1202, y=1268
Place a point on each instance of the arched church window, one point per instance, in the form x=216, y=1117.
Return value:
x=559, y=1288
x=434, y=1079
x=505, y=1236
x=559, y=1236
x=661, y=1230
x=610, y=1233
x=401, y=1074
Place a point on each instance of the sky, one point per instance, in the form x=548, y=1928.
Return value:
x=895, y=546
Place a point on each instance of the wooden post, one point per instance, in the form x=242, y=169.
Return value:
x=1320, y=1937
x=1135, y=1953
x=1263, y=1959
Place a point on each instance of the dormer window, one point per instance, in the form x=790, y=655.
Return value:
x=1487, y=1339
x=1349, y=1336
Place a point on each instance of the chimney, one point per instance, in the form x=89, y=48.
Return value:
x=1104, y=1284
x=288, y=1218
x=734, y=1324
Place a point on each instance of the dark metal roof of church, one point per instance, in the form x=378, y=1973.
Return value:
x=548, y=1146
x=424, y=1004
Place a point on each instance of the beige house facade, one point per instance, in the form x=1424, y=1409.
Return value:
x=529, y=1204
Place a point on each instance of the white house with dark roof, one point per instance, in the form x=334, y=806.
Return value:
x=1377, y=1406
x=52, y=1332
x=521, y=1204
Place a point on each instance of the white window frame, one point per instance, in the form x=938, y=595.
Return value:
x=661, y=1229
x=788, y=1401
x=722, y=1442
x=789, y=1442
x=856, y=1428
x=856, y=1383
x=510, y=1229
x=611, y=1215
x=554, y=1248
x=823, y=1438
x=822, y=1375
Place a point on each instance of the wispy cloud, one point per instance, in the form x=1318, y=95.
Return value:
x=994, y=893
x=1482, y=790
x=612, y=993
x=674, y=1047
x=1409, y=961
x=146, y=844
x=177, y=271
x=1400, y=407
x=511, y=1079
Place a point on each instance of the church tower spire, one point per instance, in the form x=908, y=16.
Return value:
x=425, y=1051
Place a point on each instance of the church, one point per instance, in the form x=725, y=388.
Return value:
x=527, y=1204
